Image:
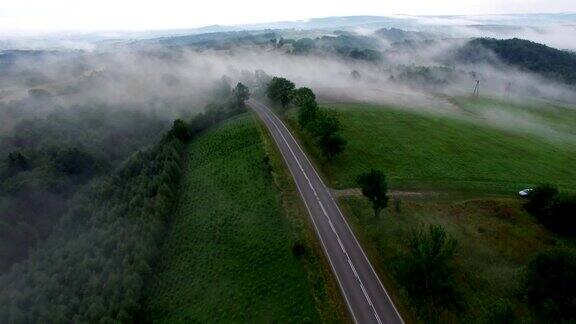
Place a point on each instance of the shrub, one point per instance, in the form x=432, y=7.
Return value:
x=550, y=284
x=427, y=272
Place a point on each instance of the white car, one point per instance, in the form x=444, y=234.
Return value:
x=525, y=192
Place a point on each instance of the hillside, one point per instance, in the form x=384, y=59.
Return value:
x=428, y=151
x=523, y=54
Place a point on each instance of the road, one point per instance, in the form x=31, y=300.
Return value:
x=365, y=296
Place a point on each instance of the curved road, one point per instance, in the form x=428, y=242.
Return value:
x=365, y=295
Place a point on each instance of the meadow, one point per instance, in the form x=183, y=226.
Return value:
x=228, y=255
x=439, y=152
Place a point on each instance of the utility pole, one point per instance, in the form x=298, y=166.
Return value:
x=476, y=89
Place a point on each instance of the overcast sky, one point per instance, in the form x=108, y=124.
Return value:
x=54, y=15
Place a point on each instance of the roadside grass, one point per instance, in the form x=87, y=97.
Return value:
x=424, y=151
x=228, y=255
x=468, y=171
x=329, y=301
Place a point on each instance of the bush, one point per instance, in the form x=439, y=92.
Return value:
x=553, y=210
x=298, y=249
x=550, y=284
x=427, y=272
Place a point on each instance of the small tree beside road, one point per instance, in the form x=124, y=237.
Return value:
x=375, y=188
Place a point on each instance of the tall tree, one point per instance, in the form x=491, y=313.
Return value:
x=241, y=93
x=550, y=285
x=374, y=187
x=279, y=90
x=332, y=145
x=303, y=97
x=427, y=272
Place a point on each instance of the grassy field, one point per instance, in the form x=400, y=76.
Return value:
x=496, y=240
x=228, y=257
x=467, y=170
x=424, y=151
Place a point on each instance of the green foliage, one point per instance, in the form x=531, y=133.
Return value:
x=228, y=254
x=280, y=90
x=541, y=199
x=45, y=160
x=551, y=285
x=307, y=114
x=523, y=54
x=180, y=131
x=427, y=272
x=72, y=161
x=94, y=265
x=241, y=93
x=326, y=123
x=325, y=128
x=553, y=210
x=303, y=46
x=331, y=145
x=375, y=188
x=302, y=97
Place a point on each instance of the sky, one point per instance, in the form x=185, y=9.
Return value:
x=23, y=16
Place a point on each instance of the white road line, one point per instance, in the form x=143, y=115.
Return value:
x=341, y=215
x=328, y=218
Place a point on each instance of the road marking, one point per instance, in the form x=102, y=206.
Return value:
x=327, y=217
x=340, y=213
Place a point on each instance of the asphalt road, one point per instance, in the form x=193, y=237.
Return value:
x=363, y=291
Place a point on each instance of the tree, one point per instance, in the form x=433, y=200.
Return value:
x=303, y=97
x=242, y=93
x=307, y=114
x=554, y=210
x=16, y=163
x=332, y=145
x=180, y=130
x=427, y=272
x=374, y=187
x=303, y=46
x=279, y=90
x=540, y=200
x=550, y=284
x=325, y=124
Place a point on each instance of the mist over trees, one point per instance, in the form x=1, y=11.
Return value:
x=94, y=265
x=538, y=58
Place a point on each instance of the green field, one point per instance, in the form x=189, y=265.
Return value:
x=463, y=171
x=228, y=256
x=425, y=151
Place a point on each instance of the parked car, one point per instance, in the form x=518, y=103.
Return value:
x=524, y=193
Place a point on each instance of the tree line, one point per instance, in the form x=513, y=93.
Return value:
x=95, y=264
x=322, y=124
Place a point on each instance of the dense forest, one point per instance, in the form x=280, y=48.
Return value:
x=94, y=265
x=523, y=54
x=44, y=160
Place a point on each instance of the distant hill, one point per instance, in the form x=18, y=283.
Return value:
x=526, y=55
x=217, y=40
x=394, y=35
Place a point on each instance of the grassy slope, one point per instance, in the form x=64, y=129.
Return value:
x=228, y=256
x=496, y=237
x=439, y=152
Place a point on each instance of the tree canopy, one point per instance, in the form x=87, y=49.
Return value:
x=280, y=90
x=375, y=188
